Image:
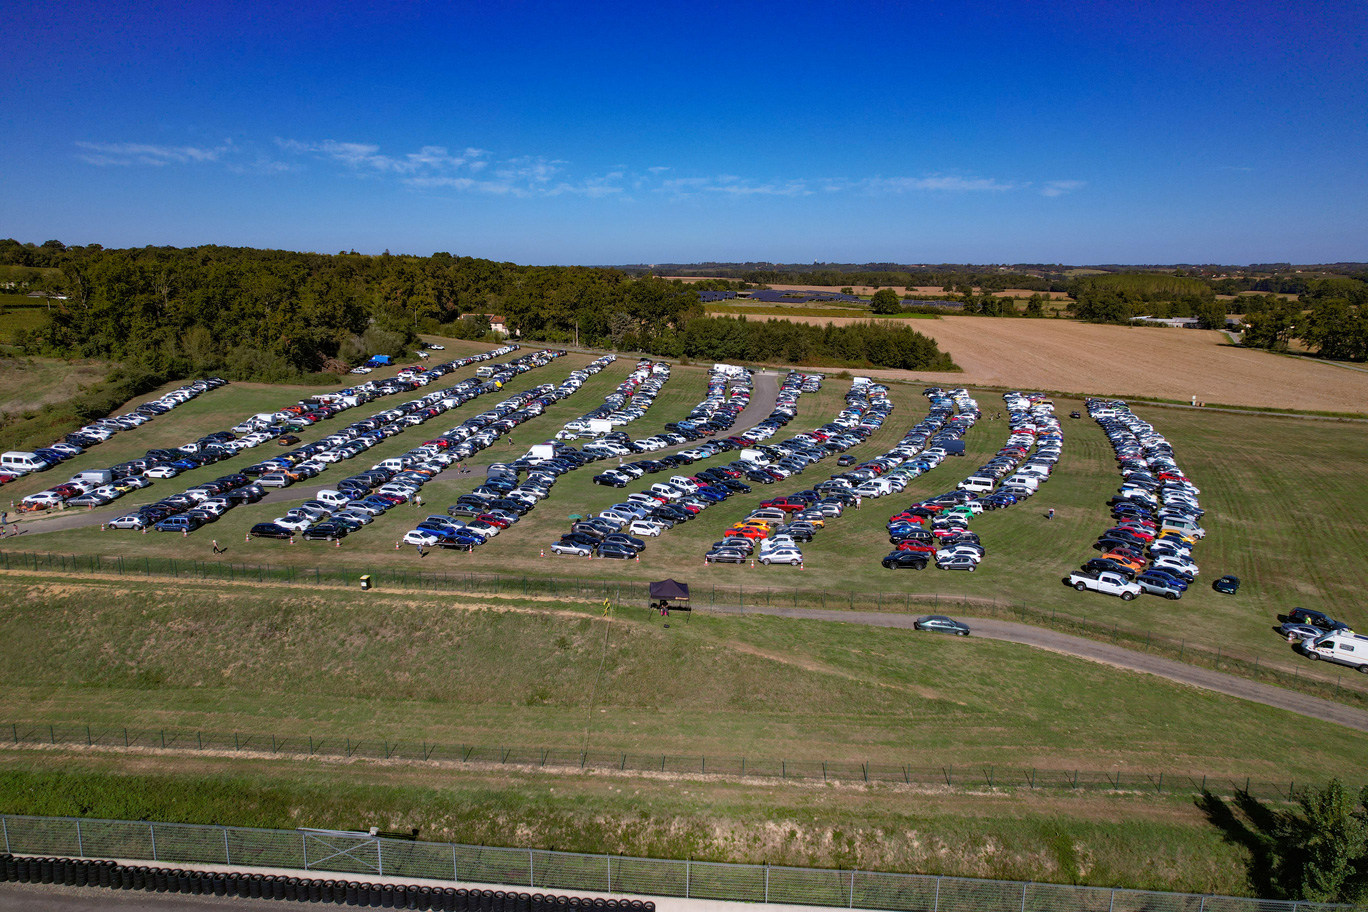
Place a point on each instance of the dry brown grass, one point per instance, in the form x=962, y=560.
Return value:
x=900, y=289
x=1162, y=363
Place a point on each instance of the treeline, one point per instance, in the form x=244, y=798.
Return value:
x=955, y=281
x=1334, y=329
x=276, y=315
x=880, y=344
x=1116, y=298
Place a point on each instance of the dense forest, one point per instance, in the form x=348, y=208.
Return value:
x=278, y=315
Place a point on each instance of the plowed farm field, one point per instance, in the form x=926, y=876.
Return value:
x=1138, y=362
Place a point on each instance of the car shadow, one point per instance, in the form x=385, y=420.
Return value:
x=1259, y=830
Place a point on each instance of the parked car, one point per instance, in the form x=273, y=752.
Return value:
x=578, y=548
x=1227, y=584
x=907, y=560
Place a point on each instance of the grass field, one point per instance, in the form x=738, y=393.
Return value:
x=1147, y=842
x=18, y=312
x=28, y=383
x=539, y=672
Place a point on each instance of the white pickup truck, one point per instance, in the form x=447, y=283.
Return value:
x=1108, y=583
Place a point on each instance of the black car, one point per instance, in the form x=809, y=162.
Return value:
x=270, y=530
x=1314, y=619
x=627, y=541
x=616, y=551
x=941, y=624
x=906, y=560
x=1231, y=584
x=326, y=531
x=1102, y=565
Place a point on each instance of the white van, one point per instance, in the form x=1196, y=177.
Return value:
x=333, y=498
x=1030, y=482
x=976, y=484
x=1343, y=647
x=93, y=477
x=22, y=462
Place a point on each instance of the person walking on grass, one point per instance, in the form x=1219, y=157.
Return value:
x=217, y=549
x=1050, y=515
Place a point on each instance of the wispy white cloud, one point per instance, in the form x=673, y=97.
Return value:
x=97, y=153
x=936, y=183
x=476, y=170
x=1059, y=188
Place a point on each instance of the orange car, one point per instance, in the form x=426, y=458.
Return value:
x=1126, y=560
x=746, y=532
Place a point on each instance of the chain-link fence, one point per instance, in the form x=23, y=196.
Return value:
x=534, y=869
x=963, y=777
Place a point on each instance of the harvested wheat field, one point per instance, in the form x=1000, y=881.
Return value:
x=1123, y=361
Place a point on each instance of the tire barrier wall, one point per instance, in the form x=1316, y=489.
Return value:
x=110, y=875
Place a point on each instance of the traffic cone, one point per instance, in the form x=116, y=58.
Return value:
x=543, y=552
x=185, y=533
x=638, y=558
x=102, y=527
x=292, y=539
x=337, y=542
x=396, y=546
x=752, y=563
x=247, y=538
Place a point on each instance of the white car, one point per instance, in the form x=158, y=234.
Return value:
x=645, y=527
x=1170, y=562
x=43, y=498
x=129, y=521
x=293, y=523
x=575, y=548
x=162, y=471
x=782, y=556
x=419, y=537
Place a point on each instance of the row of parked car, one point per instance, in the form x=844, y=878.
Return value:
x=1155, y=511
x=359, y=498
x=717, y=412
x=634, y=395
x=1023, y=463
x=776, y=530
x=951, y=415
x=663, y=505
x=18, y=463
x=203, y=504
x=1321, y=638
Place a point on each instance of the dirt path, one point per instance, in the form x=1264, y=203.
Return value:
x=1116, y=656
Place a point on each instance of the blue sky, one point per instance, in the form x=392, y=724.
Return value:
x=639, y=133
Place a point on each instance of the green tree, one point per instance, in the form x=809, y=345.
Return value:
x=1210, y=314
x=1330, y=837
x=885, y=302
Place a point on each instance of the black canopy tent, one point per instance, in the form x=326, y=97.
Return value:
x=667, y=592
x=669, y=589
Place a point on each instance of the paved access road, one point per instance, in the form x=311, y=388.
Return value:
x=764, y=394
x=1079, y=647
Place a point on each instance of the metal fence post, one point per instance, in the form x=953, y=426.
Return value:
x=1023, y=896
x=852, y=889
x=380, y=857
x=686, y=878
x=609, y=859
x=304, y=843
x=4, y=822
x=531, y=871
x=227, y=853
x=80, y=843
x=767, y=881
x=152, y=831
x=936, y=906
x=455, y=878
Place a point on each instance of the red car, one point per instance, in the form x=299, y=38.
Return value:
x=1137, y=531
x=494, y=520
x=783, y=503
x=748, y=532
x=912, y=544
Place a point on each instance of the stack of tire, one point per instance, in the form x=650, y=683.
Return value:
x=87, y=872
